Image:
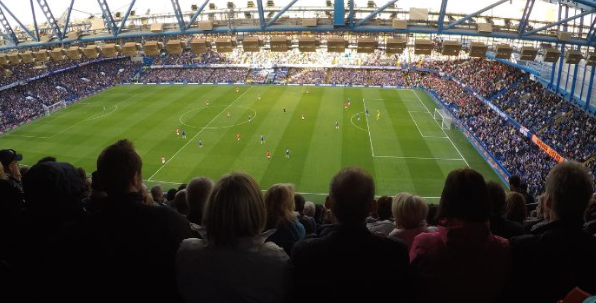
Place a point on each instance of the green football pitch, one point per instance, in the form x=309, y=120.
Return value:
x=405, y=149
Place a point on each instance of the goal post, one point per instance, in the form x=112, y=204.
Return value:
x=443, y=118
x=54, y=107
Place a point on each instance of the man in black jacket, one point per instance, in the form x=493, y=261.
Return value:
x=355, y=263
x=131, y=246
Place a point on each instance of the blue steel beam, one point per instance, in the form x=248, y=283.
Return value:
x=45, y=8
x=8, y=29
x=552, y=72
x=34, y=21
x=474, y=14
x=125, y=18
x=442, y=14
x=107, y=16
x=592, y=31
x=283, y=10
x=523, y=23
x=339, y=13
x=576, y=69
x=562, y=52
x=194, y=17
x=590, y=86
x=589, y=3
x=19, y=22
x=376, y=12
x=178, y=14
x=67, y=20
x=564, y=21
x=261, y=14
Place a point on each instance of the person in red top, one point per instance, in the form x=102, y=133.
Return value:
x=238, y=137
x=463, y=261
x=237, y=89
x=177, y=132
x=345, y=105
x=163, y=160
x=268, y=155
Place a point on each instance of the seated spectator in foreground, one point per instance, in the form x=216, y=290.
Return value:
x=357, y=263
x=53, y=217
x=385, y=223
x=539, y=218
x=410, y=213
x=309, y=212
x=515, y=207
x=463, y=262
x=279, y=199
x=499, y=224
x=233, y=263
x=548, y=265
x=307, y=221
x=197, y=193
x=129, y=244
x=157, y=194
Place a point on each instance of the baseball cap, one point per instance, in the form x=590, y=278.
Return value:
x=9, y=155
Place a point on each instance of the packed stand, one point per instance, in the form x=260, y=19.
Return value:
x=258, y=76
x=387, y=78
x=517, y=154
x=347, y=76
x=558, y=123
x=486, y=77
x=15, y=108
x=167, y=75
x=307, y=76
x=22, y=103
x=281, y=74
x=228, y=75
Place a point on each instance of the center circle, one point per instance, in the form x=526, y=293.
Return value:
x=198, y=109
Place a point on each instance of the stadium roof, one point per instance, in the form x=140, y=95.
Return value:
x=41, y=23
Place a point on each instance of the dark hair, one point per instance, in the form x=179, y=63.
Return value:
x=384, y=207
x=351, y=192
x=497, y=198
x=431, y=218
x=515, y=181
x=299, y=202
x=171, y=194
x=47, y=159
x=197, y=193
x=118, y=165
x=182, y=186
x=464, y=197
x=570, y=188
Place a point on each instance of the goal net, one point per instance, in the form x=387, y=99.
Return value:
x=54, y=107
x=443, y=118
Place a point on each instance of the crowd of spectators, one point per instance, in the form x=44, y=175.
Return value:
x=307, y=76
x=517, y=154
x=387, y=78
x=558, y=123
x=259, y=75
x=26, y=102
x=228, y=75
x=348, y=76
x=486, y=77
x=226, y=240
x=24, y=71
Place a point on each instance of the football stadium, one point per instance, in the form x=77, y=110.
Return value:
x=298, y=151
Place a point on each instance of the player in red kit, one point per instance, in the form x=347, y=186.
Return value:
x=238, y=137
x=237, y=89
x=163, y=160
x=268, y=155
x=178, y=132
